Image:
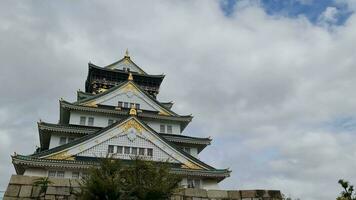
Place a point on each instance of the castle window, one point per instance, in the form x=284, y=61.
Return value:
x=169, y=129
x=82, y=120
x=141, y=151
x=193, y=183
x=119, y=104
x=186, y=149
x=75, y=174
x=126, y=150
x=137, y=106
x=111, y=149
x=90, y=121
x=70, y=139
x=110, y=121
x=134, y=150
x=119, y=149
x=126, y=104
x=162, y=128
x=51, y=174
x=150, y=152
x=62, y=140
x=85, y=175
x=60, y=174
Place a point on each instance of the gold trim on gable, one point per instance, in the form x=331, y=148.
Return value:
x=133, y=124
x=162, y=112
x=129, y=88
x=189, y=165
x=61, y=156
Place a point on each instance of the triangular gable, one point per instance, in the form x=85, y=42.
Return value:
x=127, y=92
x=126, y=64
x=132, y=133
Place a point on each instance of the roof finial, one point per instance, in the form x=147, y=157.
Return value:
x=127, y=53
x=133, y=110
x=130, y=78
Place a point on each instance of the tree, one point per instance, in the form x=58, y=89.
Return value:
x=348, y=193
x=138, y=180
x=43, y=183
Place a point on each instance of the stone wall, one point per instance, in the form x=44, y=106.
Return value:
x=21, y=187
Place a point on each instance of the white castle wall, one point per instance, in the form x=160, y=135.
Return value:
x=102, y=121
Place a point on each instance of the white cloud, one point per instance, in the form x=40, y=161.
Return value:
x=329, y=16
x=263, y=87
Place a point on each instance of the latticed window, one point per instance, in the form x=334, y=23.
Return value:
x=162, y=128
x=127, y=150
x=51, y=173
x=75, y=174
x=60, y=174
x=119, y=149
x=134, y=150
x=193, y=183
x=137, y=106
x=186, y=149
x=111, y=149
x=141, y=151
x=149, y=152
x=62, y=140
x=119, y=104
x=90, y=121
x=82, y=120
x=169, y=129
x=126, y=104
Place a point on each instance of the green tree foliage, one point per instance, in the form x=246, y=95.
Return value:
x=348, y=193
x=139, y=180
x=43, y=183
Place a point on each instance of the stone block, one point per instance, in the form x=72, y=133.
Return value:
x=58, y=191
x=10, y=198
x=248, y=193
x=234, y=194
x=22, y=180
x=190, y=192
x=75, y=190
x=26, y=191
x=72, y=197
x=275, y=194
x=63, y=182
x=75, y=182
x=222, y=194
x=50, y=197
x=36, y=191
x=12, y=190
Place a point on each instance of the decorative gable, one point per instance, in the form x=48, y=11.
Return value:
x=126, y=64
x=128, y=94
x=124, y=141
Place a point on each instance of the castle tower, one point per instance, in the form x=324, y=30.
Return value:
x=118, y=114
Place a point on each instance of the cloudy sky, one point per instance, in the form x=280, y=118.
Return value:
x=273, y=82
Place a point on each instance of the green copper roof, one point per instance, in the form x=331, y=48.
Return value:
x=65, y=107
x=160, y=76
x=21, y=162
x=120, y=85
x=87, y=137
x=48, y=128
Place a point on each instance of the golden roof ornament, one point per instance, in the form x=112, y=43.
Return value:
x=133, y=110
x=127, y=53
x=130, y=78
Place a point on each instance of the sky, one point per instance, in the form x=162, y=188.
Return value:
x=272, y=82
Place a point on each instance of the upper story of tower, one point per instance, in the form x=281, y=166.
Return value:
x=101, y=79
